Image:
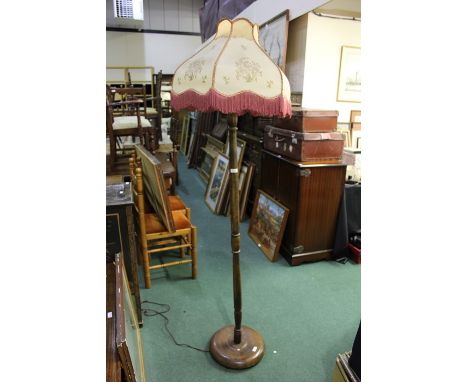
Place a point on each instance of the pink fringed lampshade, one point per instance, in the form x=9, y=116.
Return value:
x=232, y=74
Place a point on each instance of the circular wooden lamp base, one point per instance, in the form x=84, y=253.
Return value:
x=246, y=354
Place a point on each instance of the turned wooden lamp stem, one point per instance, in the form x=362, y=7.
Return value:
x=236, y=346
x=235, y=233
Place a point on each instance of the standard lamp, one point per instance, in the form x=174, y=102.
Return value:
x=234, y=75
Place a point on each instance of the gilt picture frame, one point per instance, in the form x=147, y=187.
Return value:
x=246, y=185
x=217, y=183
x=128, y=336
x=267, y=224
x=349, y=75
x=273, y=37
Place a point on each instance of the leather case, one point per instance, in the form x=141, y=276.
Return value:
x=304, y=146
x=309, y=120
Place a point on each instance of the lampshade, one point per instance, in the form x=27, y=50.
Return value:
x=232, y=74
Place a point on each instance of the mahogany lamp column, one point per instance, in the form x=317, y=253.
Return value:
x=236, y=346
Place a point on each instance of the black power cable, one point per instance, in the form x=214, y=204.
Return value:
x=148, y=312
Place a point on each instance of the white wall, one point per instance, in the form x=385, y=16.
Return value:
x=325, y=37
x=162, y=51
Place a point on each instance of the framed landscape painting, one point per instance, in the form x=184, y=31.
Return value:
x=267, y=224
x=217, y=184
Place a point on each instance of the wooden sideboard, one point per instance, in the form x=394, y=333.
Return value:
x=313, y=194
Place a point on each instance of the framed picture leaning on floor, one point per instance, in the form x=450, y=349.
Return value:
x=267, y=224
x=217, y=183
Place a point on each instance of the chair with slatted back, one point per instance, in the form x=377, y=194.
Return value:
x=164, y=222
x=157, y=106
x=124, y=119
x=167, y=126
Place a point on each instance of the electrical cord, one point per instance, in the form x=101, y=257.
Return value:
x=148, y=312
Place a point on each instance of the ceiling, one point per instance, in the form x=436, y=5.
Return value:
x=340, y=8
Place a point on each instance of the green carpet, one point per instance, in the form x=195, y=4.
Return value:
x=306, y=314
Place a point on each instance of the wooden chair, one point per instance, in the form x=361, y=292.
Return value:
x=163, y=221
x=124, y=119
x=150, y=113
x=157, y=101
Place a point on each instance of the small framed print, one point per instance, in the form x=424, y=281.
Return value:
x=349, y=77
x=355, y=116
x=217, y=183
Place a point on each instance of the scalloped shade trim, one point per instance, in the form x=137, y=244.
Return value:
x=245, y=102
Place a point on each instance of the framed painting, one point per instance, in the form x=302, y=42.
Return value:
x=217, y=184
x=128, y=336
x=246, y=183
x=240, y=150
x=245, y=180
x=193, y=132
x=267, y=224
x=184, y=134
x=153, y=179
x=273, y=37
x=355, y=116
x=349, y=76
x=356, y=139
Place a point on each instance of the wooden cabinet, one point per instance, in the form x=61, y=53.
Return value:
x=313, y=193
